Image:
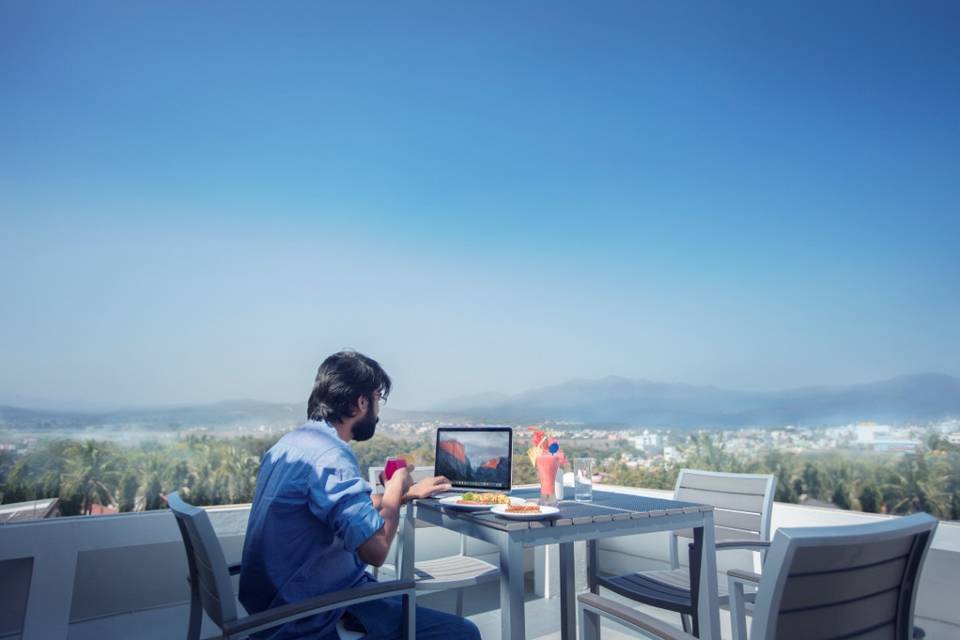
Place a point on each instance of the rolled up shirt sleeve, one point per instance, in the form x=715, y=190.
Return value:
x=341, y=497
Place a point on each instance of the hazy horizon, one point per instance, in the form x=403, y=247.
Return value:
x=93, y=405
x=201, y=203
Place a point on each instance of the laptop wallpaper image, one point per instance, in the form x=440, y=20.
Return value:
x=478, y=459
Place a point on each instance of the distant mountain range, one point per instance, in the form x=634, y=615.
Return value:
x=610, y=401
x=616, y=400
x=228, y=414
x=217, y=415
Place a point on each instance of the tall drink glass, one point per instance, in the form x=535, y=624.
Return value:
x=583, y=479
x=547, y=465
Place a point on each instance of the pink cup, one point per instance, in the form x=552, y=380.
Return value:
x=392, y=465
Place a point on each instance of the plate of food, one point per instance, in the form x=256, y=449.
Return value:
x=473, y=500
x=527, y=511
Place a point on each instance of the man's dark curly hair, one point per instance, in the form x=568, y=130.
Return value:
x=341, y=380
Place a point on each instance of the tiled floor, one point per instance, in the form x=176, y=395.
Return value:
x=542, y=616
x=481, y=605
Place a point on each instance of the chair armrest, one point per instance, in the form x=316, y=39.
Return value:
x=727, y=545
x=311, y=606
x=631, y=617
x=758, y=545
x=744, y=576
x=737, y=580
x=234, y=569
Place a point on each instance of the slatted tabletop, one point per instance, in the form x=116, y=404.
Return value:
x=606, y=506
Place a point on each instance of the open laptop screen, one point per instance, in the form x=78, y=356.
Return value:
x=475, y=458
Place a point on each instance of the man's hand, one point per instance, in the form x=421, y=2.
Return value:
x=402, y=477
x=426, y=488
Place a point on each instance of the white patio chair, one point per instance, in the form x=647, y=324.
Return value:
x=742, y=506
x=212, y=592
x=857, y=581
x=440, y=574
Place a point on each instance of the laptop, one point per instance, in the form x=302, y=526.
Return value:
x=475, y=458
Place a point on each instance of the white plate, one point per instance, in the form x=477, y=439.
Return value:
x=454, y=503
x=545, y=512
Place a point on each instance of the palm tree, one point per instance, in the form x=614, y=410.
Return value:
x=93, y=473
x=841, y=497
x=946, y=470
x=235, y=475
x=911, y=489
x=152, y=471
x=812, y=480
x=710, y=455
x=870, y=499
x=129, y=486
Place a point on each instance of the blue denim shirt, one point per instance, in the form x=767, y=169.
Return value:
x=311, y=512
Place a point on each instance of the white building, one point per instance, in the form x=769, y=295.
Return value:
x=647, y=440
x=670, y=454
x=896, y=446
x=868, y=432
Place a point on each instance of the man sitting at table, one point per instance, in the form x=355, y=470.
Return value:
x=314, y=526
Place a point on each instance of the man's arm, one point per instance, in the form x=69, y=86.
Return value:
x=423, y=489
x=374, y=551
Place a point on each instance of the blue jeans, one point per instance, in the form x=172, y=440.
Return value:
x=382, y=620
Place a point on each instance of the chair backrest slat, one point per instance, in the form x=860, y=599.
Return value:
x=737, y=520
x=847, y=558
x=208, y=567
x=851, y=581
x=751, y=484
x=886, y=632
x=805, y=591
x=839, y=621
x=741, y=501
x=726, y=533
x=722, y=499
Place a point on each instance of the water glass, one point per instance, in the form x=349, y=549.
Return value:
x=583, y=479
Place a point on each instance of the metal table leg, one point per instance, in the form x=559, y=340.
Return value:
x=568, y=593
x=708, y=609
x=511, y=589
x=590, y=624
x=593, y=566
x=407, y=543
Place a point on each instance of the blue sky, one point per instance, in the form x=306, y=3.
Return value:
x=201, y=202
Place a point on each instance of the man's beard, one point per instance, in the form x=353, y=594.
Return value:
x=365, y=427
